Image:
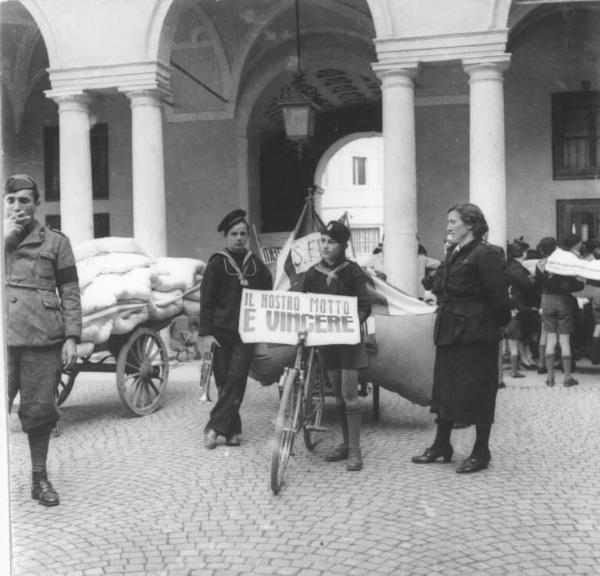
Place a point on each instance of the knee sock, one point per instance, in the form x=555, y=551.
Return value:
x=542, y=356
x=443, y=431
x=39, y=440
x=550, y=368
x=481, y=449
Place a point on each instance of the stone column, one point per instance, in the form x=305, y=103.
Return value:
x=487, y=154
x=76, y=201
x=399, y=178
x=148, y=171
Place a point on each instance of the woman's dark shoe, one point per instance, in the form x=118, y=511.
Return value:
x=233, y=440
x=210, y=439
x=542, y=370
x=550, y=383
x=433, y=453
x=472, y=464
x=570, y=382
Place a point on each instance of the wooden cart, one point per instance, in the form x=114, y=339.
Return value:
x=140, y=361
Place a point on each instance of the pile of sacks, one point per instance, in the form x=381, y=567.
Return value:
x=122, y=287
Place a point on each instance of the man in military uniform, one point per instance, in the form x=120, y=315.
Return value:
x=44, y=321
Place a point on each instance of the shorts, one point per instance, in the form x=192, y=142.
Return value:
x=35, y=373
x=344, y=356
x=558, y=313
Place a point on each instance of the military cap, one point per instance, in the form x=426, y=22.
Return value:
x=233, y=218
x=18, y=182
x=337, y=231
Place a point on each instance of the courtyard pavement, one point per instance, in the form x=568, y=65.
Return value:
x=142, y=496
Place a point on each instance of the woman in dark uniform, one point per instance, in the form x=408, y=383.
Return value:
x=226, y=274
x=472, y=293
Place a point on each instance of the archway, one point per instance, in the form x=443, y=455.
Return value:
x=350, y=179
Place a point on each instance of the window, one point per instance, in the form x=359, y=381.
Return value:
x=101, y=223
x=99, y=152
x=365, y=240
x=576, y=135
x=359, y=170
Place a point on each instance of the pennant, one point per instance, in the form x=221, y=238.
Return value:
x=302, y=250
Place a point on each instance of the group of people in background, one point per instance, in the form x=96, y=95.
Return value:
x=548, y=322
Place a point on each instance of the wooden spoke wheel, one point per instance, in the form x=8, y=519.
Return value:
x=142, y=371
x=65, y=385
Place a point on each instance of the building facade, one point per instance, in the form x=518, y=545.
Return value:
x=154, y=117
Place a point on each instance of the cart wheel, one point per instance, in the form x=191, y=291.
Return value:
x=313, y=400
x=65, y=385
x=286, y=426
x=142, y=371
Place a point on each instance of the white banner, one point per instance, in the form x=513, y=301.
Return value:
x=277, y=316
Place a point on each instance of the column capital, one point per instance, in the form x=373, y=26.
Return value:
x=491, y=68
x=402, y=75
x=79, y=101
x=145, y=97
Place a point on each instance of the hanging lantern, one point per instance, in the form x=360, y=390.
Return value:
x=298, y=110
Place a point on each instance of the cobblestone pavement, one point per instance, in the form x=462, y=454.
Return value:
x=142, y=496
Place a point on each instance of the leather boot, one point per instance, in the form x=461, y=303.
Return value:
x=340, y=452
x=595, y=353
x=354, y=456
x=43, y=491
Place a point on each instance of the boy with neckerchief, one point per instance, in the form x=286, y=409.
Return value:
x=227, y=273
x=337, y=275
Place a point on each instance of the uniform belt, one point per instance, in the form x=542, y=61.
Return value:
x=32, y=286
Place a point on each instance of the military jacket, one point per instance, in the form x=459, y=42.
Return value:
x=472, y=291
x=42, y=289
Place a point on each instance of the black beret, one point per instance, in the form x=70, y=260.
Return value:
x=19, y=182
x=233, y=218
x=337, y=231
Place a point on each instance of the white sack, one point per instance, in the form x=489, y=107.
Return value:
x=191, y=308
x=568, y=264
x=106, y=245
x=177, y=273
x=97, y=331
x=85, y=349
x=127, y=321
x=100, y=294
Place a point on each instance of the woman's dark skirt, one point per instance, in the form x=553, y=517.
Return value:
x=466, y=382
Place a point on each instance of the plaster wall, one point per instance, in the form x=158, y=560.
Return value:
x=414, y=18
x=550, y=58
x=201, y=167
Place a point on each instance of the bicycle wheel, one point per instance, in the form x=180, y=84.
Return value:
x=313, y=400
x=286, y=426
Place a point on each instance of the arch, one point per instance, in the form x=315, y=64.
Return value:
x=501, y=11
x=382, y=19
x=46, y=30
x=334, y=148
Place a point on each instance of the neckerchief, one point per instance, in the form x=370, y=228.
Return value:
x=332, y=274
x=240, y=273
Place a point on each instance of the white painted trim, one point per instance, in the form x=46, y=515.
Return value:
x=441, y=47
x=125, y=77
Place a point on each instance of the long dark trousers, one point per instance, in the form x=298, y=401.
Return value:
x=231, y=366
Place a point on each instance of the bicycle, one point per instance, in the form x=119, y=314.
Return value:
x=300, y=408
